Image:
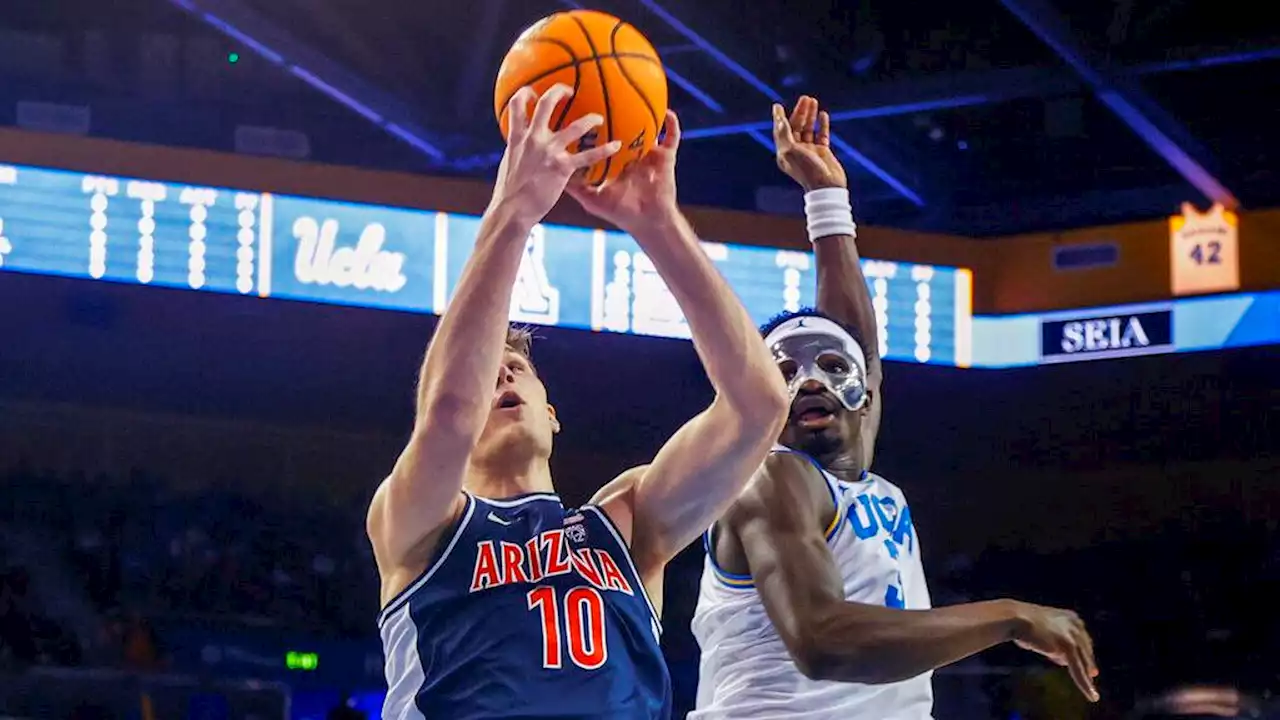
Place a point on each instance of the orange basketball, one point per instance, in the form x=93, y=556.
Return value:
x=614, y=71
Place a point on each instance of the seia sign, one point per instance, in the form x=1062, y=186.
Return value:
x=1105, y=336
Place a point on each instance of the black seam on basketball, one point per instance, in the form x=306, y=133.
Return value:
x=563, y=44
x=604, y=92
x=613, y=53
x=577, y=79
x=574, y=63
x=564, y=111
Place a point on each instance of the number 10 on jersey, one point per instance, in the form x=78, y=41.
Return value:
x=574, y=623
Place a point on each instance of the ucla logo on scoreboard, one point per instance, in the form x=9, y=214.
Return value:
x=365, y=265
x=348, y=253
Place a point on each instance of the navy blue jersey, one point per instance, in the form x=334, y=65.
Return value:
x=528, y=610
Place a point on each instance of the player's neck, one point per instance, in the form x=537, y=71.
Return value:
x=505, y=480
x=845, y=465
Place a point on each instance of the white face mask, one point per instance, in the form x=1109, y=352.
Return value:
x=821, y=350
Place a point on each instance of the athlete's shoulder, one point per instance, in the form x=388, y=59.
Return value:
x=789, y=490
x=885, y=486
x=620, y=487
x=616, y=501
x=786, y=461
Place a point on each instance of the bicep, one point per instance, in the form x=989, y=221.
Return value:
x=778, y=524
x=794, y=574
x=422, y=492
x=694, y=478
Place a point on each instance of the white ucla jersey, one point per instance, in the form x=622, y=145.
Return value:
x=746, y=671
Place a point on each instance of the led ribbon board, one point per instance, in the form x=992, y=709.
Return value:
x=203, y=239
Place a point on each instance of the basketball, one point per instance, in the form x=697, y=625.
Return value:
x=613, y=70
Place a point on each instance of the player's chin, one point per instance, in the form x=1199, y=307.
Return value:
x=811, y=440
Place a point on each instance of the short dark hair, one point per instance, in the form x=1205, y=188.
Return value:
x=520, y=341
x=783, y=317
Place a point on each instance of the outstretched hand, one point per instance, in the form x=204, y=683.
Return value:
x=802, y=145
x=1060, y=636
x=538, y=164
x=644, y=192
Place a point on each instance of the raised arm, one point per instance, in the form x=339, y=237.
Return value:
x=704, y=466
x=803, y=143
x=455, y=387
x=777, y=522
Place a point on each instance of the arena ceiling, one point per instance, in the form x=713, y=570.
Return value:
x=973, y=117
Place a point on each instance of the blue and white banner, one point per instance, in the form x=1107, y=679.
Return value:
x=144, y=232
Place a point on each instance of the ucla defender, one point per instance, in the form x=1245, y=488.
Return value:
x=499, y=602
x=813, y=602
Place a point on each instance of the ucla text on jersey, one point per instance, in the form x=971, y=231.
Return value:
x=529, y=610
x=876, y=514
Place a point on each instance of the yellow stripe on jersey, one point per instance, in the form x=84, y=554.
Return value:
x=740, y=582
x=836, y=520
x=744, y=581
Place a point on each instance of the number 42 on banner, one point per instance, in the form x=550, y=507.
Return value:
x=1204, y=251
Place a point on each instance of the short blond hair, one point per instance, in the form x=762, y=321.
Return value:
x=520, y=341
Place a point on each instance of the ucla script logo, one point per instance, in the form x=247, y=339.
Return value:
x=321, y=261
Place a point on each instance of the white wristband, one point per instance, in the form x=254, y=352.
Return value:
x=829, y=212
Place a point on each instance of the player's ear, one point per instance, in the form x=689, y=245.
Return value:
x=866, y=405
x=555, y=421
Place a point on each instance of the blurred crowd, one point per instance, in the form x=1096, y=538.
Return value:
x=139, y=549
x=27, y=635
x=1194, y=603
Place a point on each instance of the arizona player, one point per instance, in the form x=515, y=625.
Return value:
x=813, y=602
x=499, y=602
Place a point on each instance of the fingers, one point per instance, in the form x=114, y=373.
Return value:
x=1052, y=656
x=671, y=131
x=797, y=119
x=1082, y=669
x=1082, y=639
x=518, y=112
x=1080, y=675
x=547, y=105
x=824, y=129
x=782, y=137
x=587, y=158
x=578, y=129
x=1087, y=644
x=810, y=119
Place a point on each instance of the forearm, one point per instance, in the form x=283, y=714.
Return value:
x=872, y=644
x=842, y=289
x=467, y=348
x=735, y=359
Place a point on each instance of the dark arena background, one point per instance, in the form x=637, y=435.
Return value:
x=1064, y=206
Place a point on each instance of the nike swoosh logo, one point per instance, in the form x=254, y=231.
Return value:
x=499, y=520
